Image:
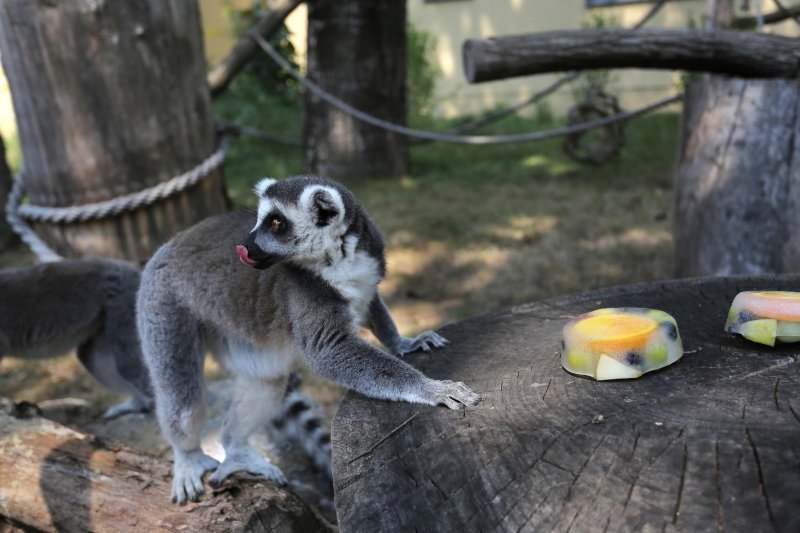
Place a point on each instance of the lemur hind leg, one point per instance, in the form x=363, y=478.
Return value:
x=174, y=354
x=98, y=356
x=255, y=402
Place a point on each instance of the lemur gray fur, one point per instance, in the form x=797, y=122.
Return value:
x=49, y=309
x=318, y=259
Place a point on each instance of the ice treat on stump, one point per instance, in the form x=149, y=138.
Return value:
x=765, y=316
x=620, y=343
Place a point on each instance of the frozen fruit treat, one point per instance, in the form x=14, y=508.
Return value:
x=765, y=317
x=620, y=343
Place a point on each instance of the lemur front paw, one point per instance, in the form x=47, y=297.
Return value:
x=423, y=342
x=187, y=475
x=453, y=394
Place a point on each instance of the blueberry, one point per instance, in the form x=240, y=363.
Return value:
x=633, y=359
x=746, y=316
x=671, y=329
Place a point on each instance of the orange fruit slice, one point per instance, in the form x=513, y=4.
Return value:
x=615, y=332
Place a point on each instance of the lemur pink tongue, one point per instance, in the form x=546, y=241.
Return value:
x=242, y=252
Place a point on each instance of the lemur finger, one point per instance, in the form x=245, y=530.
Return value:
x=453, y=404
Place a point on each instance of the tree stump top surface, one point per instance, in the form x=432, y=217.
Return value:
x=709, y=443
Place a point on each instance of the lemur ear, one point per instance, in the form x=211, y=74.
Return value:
x=324, y=207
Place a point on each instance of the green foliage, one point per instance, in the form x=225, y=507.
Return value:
x=421, y=71
x=261, y=71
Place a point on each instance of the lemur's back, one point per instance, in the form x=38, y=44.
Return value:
x=51, y=306
x=200, y=266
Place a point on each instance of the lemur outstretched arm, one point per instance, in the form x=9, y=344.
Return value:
x=380, y=323
x=335, y=352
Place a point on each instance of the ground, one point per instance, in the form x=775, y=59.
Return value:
x=471, y=229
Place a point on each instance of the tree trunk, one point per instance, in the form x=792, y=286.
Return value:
x=737, y=192
x=741, y=54
x=111, y=98
x=7, y=236
x=711, y=443
x=53, y=478
x=356, y=51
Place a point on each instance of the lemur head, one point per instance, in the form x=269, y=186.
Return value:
x=302, y=219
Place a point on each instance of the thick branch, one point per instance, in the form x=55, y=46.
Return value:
x=748, y=55
x=53, y=478
x=221, y=75
x=779, y=15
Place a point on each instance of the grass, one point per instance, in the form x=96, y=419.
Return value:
x=470, y=229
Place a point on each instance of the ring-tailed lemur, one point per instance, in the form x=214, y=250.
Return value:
x=318, y=259
x=48, y=309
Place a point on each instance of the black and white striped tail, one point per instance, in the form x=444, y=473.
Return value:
x=301, y=419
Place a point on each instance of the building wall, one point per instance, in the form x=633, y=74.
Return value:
x=453, y=21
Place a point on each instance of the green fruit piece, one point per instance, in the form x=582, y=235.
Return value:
x=788, y=331
x=579, y=362
x=661, y=316
x=761, y=331
x=657, y=354
x=610, y=368
x=732, y=315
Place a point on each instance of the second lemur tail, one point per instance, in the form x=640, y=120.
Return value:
x=301, y=419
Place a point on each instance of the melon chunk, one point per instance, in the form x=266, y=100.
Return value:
x=620, y=343
x=610, y=368
x=765, y=317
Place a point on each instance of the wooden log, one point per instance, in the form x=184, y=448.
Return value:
x=220, y=76
x=711, y=443
x=737, y=196
x=747, y=55
x=53, y=478
x=357, y=52
x=111, y=98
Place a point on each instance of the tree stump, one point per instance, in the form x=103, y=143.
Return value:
x=53, y=478
x=737, y=193
x=710, y=443
x=357, y=52
x=111, y=98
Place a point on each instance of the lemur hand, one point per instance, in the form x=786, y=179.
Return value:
x=423, y=342
x=453, y=394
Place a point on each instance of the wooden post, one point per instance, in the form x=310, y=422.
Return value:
x=111, y=98
x=356, y=51
x=737, y=194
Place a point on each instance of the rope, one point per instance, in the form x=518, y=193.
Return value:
x=43, y=252
x=237, y=129
x=129, y=202
x=446, y=137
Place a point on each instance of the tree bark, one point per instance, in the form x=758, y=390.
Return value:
x=737, y=193
x=356, y=51
x=220, y=76
x=53, y=478
x=779, y=15
x=747, y=55
x=111, y=98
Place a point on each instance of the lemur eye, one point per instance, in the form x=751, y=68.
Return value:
x=275, y=225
